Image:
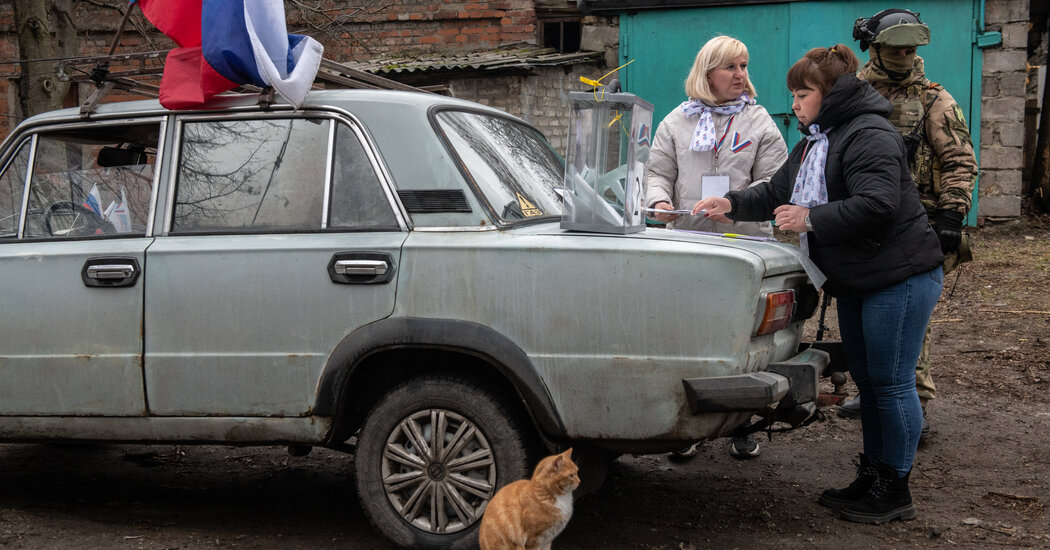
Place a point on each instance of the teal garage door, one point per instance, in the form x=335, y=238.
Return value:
x=663, y=43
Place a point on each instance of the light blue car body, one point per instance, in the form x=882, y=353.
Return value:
x=244, y=338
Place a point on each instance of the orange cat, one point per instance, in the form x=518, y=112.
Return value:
x=529, y=513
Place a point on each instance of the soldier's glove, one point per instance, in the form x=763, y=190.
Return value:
x=948, y=225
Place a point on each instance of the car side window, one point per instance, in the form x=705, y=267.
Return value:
x=251, y=176
x=12, y=183
x=92, y=181
x=358, y=200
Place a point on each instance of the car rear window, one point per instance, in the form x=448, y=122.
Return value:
x=358, y=199
x=511, y=164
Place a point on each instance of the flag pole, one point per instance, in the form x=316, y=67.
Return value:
x=100, y=72
x=120, y=29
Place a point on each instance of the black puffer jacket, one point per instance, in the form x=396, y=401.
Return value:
x=873, y=232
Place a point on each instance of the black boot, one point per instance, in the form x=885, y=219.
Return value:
x=887, y=500
x=850, y=408
x=837, y=498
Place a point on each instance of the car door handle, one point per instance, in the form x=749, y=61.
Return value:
x=361, y=267
x=110, y=272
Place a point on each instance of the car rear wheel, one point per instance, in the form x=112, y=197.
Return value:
x=431, y=454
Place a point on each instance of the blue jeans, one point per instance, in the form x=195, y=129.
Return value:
x=882, y=333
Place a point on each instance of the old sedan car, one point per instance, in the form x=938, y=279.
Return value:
x=378, y=272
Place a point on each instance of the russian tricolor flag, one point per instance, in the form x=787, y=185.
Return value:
x=226, y=43
x=93, y=201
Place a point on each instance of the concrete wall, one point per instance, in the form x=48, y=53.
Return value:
x=539, y=97
x=1002, y=110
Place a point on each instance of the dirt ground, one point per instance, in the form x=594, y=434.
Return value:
x=981, y=481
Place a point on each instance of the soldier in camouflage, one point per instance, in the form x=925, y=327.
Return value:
x=941, y=152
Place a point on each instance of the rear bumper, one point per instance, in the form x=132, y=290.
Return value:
x=790, y=383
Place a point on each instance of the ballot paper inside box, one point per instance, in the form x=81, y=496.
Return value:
x=609, y=139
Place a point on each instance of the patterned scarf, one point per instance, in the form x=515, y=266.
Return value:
x=811, y=188
x=704, y=136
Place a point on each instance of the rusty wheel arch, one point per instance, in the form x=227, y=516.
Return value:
x=371, y=360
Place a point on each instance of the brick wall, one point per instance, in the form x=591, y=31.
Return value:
x=11, y=114
x=377, y=27
x=546, y=100
x=1002, y=108
x=97, y=24
x=380, y=27
x=420, y=26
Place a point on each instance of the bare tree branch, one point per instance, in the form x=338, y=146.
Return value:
x=338, y=23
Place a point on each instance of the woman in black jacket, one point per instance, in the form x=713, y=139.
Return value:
x=847, y=190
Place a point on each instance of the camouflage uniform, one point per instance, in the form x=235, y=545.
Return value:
x=944, y=166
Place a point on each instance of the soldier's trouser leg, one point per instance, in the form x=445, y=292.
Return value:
x=923, y=376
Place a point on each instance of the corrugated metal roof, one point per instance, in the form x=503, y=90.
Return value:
x=503, y=58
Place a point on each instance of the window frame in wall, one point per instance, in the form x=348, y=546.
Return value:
x=569, y=32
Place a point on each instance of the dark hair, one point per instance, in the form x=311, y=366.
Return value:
x=821, y=67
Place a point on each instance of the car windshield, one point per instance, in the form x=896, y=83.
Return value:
x=512, y=164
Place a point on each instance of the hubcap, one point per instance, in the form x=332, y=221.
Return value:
x=438, y=471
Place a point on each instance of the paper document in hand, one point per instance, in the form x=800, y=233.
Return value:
x=659, y=211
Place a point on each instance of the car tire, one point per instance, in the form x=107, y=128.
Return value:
x=401, y=472
x=594, y=465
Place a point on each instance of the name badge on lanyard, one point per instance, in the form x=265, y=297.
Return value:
x=714, y=185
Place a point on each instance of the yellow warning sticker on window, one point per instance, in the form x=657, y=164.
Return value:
x=527, y=208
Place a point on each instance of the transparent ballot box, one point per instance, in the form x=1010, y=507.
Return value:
x=609, y=138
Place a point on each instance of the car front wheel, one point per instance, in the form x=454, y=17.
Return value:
x=431, y=454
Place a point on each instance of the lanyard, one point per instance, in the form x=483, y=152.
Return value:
x=719, y=144
x=805, y=151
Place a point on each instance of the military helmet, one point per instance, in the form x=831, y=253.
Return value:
x=893, y=28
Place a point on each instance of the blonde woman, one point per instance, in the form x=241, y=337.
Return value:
x=716, y=141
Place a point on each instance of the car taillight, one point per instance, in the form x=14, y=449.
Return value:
x=779, y=306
